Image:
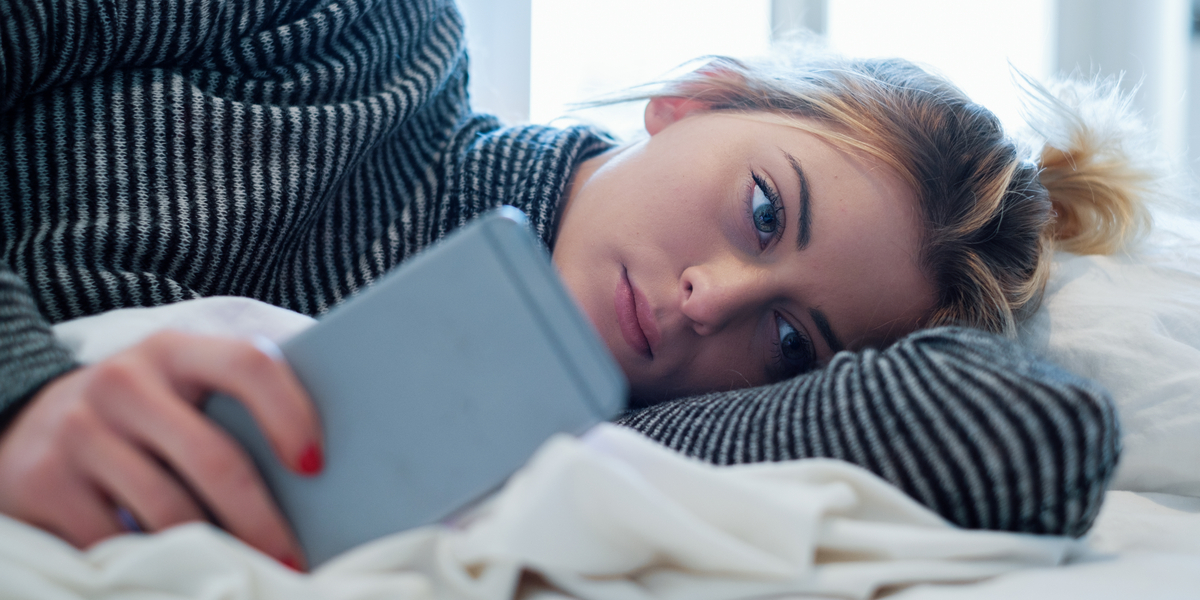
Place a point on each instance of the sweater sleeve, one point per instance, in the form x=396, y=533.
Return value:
x=29, y=354
x=45, y=43
x=969, y=424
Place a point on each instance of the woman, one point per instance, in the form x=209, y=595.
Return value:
x=295, y=151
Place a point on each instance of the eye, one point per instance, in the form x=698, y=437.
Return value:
x=795, y=353
x=766, y=212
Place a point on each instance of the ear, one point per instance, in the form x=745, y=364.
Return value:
x=664, y=110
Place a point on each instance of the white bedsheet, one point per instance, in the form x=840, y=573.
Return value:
x=616, y=516
x=1144, y=546
x=612, y=516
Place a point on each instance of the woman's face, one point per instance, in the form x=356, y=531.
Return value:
x=725, y=251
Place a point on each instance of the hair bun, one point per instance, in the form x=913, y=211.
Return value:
x=1095, y=162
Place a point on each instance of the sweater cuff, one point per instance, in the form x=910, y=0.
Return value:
x=30, y=356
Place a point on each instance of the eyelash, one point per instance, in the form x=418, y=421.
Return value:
x=785, y=366
x=777, y=210
x=791, y=367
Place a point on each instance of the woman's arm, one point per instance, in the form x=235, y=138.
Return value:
x=46, y=43
x=968, y=423
x=76, y=443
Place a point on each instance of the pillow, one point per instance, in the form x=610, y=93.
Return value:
x=1132, y=322
x=97, y=337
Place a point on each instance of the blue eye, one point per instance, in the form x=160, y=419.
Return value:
x=766, y=212
x=794, y=347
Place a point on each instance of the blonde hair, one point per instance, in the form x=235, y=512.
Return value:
x=992, y=212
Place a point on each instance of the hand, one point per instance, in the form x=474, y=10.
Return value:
x=128, y=433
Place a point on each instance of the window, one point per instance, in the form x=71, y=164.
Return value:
x=971, y=43
x=531, y=59
x=583, y=50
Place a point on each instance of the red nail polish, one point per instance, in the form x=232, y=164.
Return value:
x=311, y=461
x=291, y=563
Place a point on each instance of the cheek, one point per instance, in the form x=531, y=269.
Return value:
x=730, y=362
x=585, y=273
x=692, y=225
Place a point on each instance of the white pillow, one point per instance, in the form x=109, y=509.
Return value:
x=1132, y=322
x=97, y=337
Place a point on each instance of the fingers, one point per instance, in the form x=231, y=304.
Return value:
x=214, y=466
x=39, y=481
x=127, y=432
x=216, y=469
x=156, y=499
x=262, y=382
x=81, y=516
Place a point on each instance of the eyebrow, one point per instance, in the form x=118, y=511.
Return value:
x=822, y=322
x=804, y=228
x=803, y=237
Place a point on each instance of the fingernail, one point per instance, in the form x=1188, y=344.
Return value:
x=311, y=462
x=266, y=346
x=291, y=563
x=128, y=521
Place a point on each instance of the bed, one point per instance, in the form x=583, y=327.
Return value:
x=612, y=515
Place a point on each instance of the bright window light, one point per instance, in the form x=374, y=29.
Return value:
x=971, y=43
x=582, y=50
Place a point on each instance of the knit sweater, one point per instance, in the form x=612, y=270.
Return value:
x=293, y=151
x=158, y=151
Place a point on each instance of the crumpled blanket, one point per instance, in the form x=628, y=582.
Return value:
x=610, y=516
x=613, y=515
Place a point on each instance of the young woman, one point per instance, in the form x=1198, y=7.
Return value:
x=773, y=217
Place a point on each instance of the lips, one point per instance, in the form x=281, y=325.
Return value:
x=635, y=317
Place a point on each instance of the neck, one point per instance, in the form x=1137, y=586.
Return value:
x=583, y=173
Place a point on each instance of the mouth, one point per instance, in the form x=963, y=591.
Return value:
x=635, y=317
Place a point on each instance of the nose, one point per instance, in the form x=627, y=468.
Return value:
x=716, y=294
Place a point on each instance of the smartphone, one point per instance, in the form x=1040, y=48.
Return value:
x=434, y=385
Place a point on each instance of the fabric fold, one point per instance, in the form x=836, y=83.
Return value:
x=611, y=516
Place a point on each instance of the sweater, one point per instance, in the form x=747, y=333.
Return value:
x=135, y=172
x=295, y=150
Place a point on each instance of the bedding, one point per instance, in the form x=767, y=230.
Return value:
x=1132, y=323
x=1143, y=545
x=614, y=516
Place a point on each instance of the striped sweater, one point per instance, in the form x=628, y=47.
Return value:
x=294, y=150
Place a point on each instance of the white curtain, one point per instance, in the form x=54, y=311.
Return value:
x=498, y=39
x=1149, y=41
x=1146, y=40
